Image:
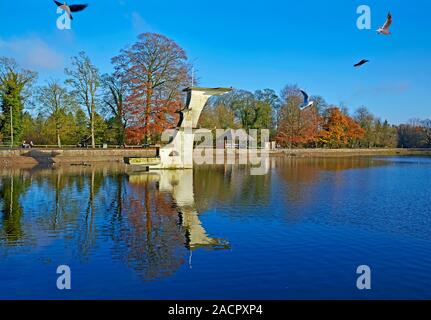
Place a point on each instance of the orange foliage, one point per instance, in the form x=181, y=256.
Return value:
x=301, y=128
x=151, y=119
x=307, y=128
x=339, y=129
x=156, y=70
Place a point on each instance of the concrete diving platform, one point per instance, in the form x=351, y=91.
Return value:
x=178, y=154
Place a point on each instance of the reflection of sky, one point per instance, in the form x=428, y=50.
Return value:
x=301, y=236
x=249, y=45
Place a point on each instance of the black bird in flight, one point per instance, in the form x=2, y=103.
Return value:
x=360, y=63
x=71, y=8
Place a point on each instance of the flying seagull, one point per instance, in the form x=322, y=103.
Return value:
x=71, y=8
x=307, y=103
x=360, y=63
x=385, y=29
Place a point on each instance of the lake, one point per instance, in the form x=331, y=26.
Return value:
x=298, y=232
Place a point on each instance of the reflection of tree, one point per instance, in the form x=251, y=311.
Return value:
x=87, y=228
x=57, y=182
x=230, y=183
x=151, y=218
x=227, y=184
x=65, y=190
x=73, y=203
x=147, y=235
x=308, y=170
x=156, y=221
x=12, y=188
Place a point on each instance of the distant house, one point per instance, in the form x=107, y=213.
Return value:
x=234, y=139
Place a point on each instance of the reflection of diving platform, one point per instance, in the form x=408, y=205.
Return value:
x=178, y=154
x=179, y=183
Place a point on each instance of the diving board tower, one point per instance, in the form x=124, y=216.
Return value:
x=178, y=154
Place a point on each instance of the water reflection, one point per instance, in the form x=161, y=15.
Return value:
x=149, y=223
x=151, y=218
x=11, y=189
x=162, y=222
x=162, y=205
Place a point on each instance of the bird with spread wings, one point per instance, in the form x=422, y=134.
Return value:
x=385, y=29
x=307, y=102
x=71, y=8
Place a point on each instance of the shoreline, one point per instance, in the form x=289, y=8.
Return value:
x=14, y=157
x=353, y=152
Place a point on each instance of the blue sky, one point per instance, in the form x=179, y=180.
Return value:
x=248, y=44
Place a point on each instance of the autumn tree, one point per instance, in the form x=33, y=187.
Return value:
x=56, y=102
x=309, y=127
x=340, y=130
x=296, y=127
x=85, y=81
x=289, y=115
x=415, y=134
x=15, y=84
x=156, y=71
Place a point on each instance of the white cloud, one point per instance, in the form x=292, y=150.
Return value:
x=32, y=52
x=384, y=88
x=139, y=24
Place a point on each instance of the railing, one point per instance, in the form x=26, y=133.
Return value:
x=66, y=147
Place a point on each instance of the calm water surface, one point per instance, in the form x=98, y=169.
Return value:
x=219, y=233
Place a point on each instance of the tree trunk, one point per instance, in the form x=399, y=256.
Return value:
x=148, y=109
x=123, y=135
x=93, y=141
x=121, y=125
x=121, y=131
x=58, y=139
x=11, y=126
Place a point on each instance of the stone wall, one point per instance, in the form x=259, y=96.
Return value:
x=78, y=156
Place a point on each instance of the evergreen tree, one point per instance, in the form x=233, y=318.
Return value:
x=14, y=85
